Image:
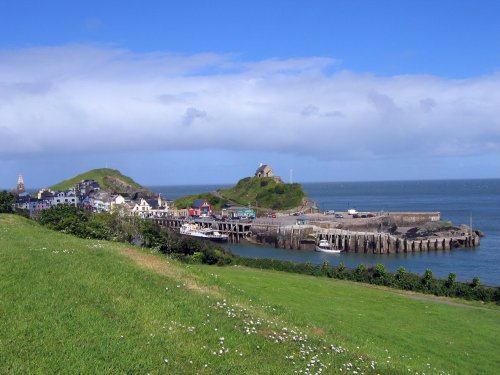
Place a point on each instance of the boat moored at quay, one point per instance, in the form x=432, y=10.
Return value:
x=194, y=230
x=326, y=247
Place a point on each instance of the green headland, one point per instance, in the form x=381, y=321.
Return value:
x=257, y=192
x=109, y=179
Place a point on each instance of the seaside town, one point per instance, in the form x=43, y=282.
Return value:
x=89, y=195
x=301, y=226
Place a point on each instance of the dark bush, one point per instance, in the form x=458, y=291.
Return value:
x=7, y=201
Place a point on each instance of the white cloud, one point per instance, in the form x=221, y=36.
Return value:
x=81, y=98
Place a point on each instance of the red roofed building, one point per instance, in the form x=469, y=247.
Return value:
x=200, y=207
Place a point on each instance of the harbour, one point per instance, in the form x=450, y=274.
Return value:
x=456, y=200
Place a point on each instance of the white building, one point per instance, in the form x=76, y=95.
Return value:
x=64, y=197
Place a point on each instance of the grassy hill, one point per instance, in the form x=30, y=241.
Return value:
x=186, y=202
x=70, y=305
x=265, y=192
x=109, y=179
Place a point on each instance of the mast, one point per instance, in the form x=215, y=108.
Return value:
x=470, y=223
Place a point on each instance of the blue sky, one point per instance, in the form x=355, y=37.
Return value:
x=186, y=92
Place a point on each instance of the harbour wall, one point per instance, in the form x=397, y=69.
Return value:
x=305, y=237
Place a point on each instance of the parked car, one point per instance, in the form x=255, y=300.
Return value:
x=339, y=216
x=355, y=216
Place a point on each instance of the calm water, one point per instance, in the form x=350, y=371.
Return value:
x=457, y=200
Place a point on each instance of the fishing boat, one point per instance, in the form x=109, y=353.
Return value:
x=326, y=247
x=194, y=230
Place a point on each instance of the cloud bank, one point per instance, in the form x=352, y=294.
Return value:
x=83, y=98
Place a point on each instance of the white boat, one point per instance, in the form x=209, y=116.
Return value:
x=326, y=247
x=194, y=230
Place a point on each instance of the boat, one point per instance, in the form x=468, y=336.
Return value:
x=194, y=230
x=326, y=247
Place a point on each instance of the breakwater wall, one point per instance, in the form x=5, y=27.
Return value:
x=378, y=220
x=304, y=237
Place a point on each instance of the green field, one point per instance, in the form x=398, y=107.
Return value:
x=69, y=305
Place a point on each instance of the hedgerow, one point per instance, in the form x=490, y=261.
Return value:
x=379, y=276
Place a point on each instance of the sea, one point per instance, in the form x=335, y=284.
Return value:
x=459, y=201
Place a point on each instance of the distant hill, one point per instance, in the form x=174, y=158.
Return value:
x=265, y=192
x=111, y=180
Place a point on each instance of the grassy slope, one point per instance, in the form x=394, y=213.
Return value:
x=265, y=192
x=187, y=201
x=80, y=306
x=96, y=175
x=409, y=332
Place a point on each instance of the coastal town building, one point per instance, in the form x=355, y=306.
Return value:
x=45, y=194
x=239, y=212
x=150, y=208
x=264, y=170
x=200, y=207
x=64, y=197
x=87, y=187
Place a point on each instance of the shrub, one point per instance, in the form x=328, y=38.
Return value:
x=380, y=271
x=401, y=273
x=452, y=277
x=325, y=268
x=7, y=201
x=427, y=278
x=475, y=282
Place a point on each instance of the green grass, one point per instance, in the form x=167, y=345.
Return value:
x=69, y=305
x=381, y=323
x=106, y=177
x=265, y=192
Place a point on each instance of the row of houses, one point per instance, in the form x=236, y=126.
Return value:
x=89, y=195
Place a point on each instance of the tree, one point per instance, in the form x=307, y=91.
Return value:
x=452, y=277
x=7, y=201
x=380, y=270
x=475, y=282
x=426, y=280
x=401, y=273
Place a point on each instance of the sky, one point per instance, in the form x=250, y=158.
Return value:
x=199, y=92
